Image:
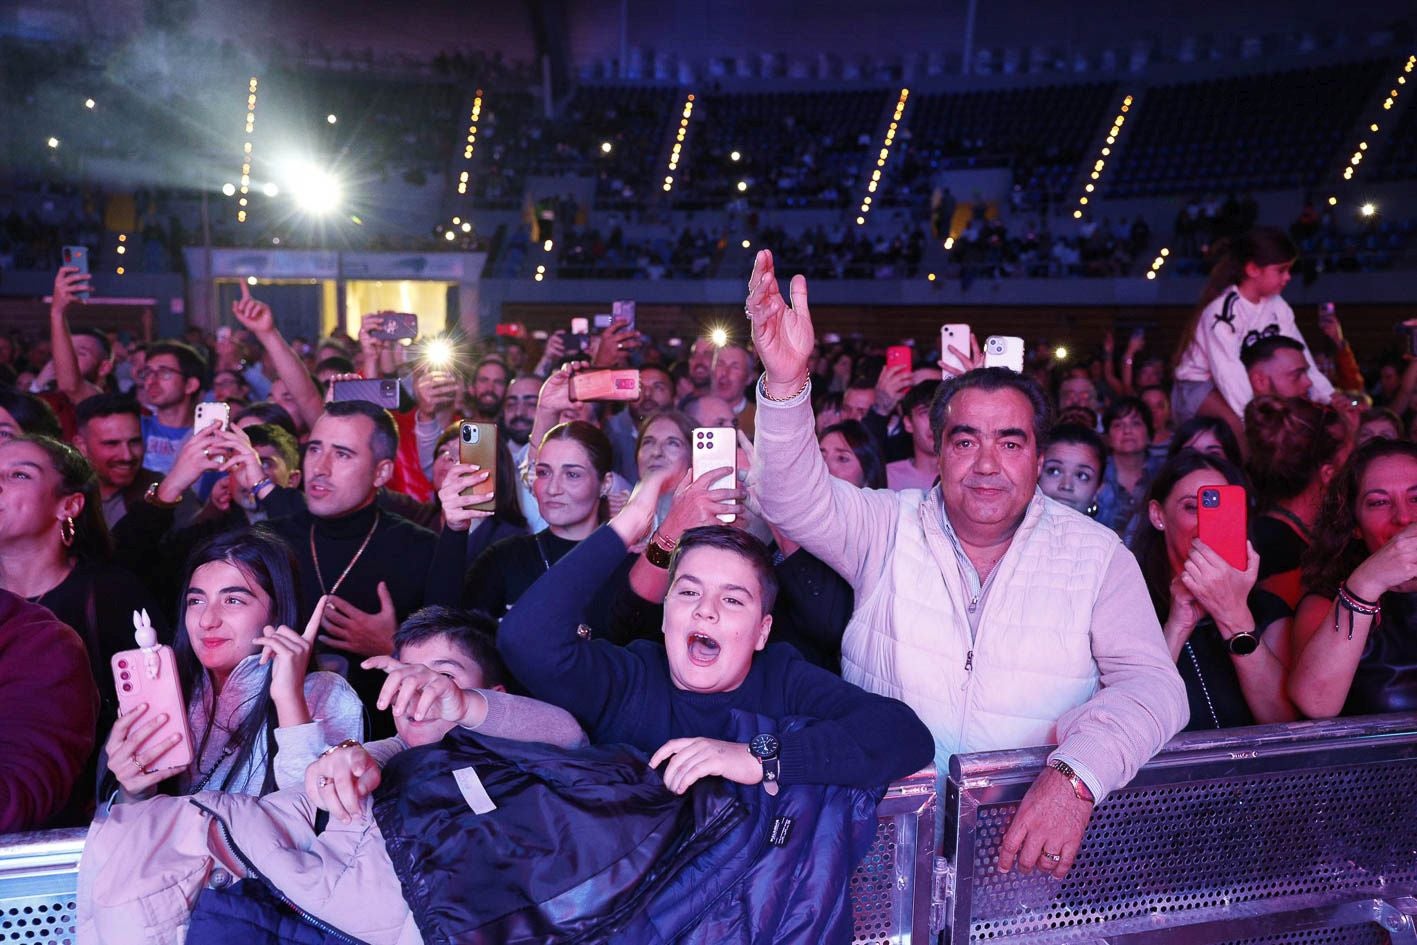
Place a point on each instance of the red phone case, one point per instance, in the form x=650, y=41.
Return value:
x=898, y=356
x=1222, y=522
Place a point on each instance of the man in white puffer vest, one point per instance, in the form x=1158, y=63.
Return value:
x=1004, y=619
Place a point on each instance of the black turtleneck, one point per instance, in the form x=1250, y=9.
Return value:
x=400, y=554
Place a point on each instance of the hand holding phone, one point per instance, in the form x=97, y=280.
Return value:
x=956, y=348
x=477, y=446
x=1222, y=523
x=717, y=448
x=619, y=385
x=211, y=414
x=899, y=356
x=151, y=740
x=395, y=326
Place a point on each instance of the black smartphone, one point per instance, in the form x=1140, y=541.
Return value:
x=383, y=391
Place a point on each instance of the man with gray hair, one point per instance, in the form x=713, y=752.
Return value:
x=1003, y=618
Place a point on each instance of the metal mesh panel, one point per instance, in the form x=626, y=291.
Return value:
x=1366, y=934
x=39, y=920
x=873, y=889
x=1205, y=846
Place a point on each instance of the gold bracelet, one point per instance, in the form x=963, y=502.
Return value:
x=763, y=390
x=347, y=743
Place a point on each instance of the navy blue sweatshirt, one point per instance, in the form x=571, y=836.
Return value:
x=626, y=695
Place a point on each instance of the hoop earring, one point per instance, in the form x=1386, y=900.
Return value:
x=67, y=530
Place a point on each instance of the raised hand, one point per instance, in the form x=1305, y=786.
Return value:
x=458, y=513
x=289, y=654
x=782, y=334
x=253, y=313
x=1391, y=566
x=68, y=283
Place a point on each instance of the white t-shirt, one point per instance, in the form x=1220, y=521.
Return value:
x=1226, y=326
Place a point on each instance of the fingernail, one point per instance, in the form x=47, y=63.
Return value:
x=162, y=717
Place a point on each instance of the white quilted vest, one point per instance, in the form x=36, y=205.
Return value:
x=1032, y=658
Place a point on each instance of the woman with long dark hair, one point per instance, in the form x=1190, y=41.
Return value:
x=1230, y=641
x=851, y=454
x=55, y=550
x=1355, y=633
x=258, y=716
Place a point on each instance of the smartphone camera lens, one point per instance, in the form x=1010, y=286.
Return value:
x=1210, y=499
x=467, y=434
x=127, y=687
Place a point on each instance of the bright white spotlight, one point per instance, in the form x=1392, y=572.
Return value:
x=53, y=142
x=314, y=190
x=1368, y=209
x=606, y=147
x=331, y=118
x=229, y=189
x=270, y=189
x=89, y=103
x=719, y=337
x=1061, y=353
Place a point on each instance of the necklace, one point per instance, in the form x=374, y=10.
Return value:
x=541, y=549
x=1205, y=690
x=1294, y=520
x=315, y=555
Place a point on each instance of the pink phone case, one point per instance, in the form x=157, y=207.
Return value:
x=137, y=683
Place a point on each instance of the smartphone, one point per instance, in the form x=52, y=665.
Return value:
x=209, y=414
x=383, y=391
x=223, y=333
x=509, y=330
x=899, y=356
x=602, y=321
x=606, y=385
x=396, y=326
x=954, y=335
x=477, y=446
x=78, y=257
x=1004, y=351
x=1222, y=521
x=149, y=677
x=579, y=338
x=624, y=310
x=717, y=448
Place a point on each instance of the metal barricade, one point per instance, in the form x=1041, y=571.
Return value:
x=890, y=890
x=1299, y=833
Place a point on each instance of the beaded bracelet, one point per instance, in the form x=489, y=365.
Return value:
x=1355, y=605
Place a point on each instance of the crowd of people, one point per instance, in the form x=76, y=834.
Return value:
x=900, y=563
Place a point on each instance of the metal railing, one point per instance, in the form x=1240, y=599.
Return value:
x=1305, y=832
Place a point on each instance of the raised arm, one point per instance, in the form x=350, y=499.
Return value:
x=67, y=285
x=257, y=317
x=842, y=525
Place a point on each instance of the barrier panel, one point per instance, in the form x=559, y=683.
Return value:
x=1298, y=833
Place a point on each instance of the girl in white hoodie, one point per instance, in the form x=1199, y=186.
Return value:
x=1240, y=305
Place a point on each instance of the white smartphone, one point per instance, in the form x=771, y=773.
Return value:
x=957, y=336
x=211, y=413
x=1004, y=351
x=717, y=448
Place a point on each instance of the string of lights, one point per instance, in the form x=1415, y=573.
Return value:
x=1158, y=262
x=245, y=187
x=1361, y=151
x=677, y=152
x=886, y=144
x=1103, y=154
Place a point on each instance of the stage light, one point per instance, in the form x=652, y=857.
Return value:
x=949, y=242
x=719, y=337
x=120, y=270
x=547, y=246
x=450, y=236
x=122, y=250
x=606, y=147
x=331, y=118
x=1165, y=252
x=53, y=142
x=736, y=156
x=539, y=277
x=122, y=237
x=742, y=186
x=251, y=280
x=1151, y=273
x=467, y=227
x=1060, y=353
x=1368, y=209
x=746, y=244
x=270, y=189
x=229, y=189
x=541, y=269
x=931, y=277
x=89, y=103
x=315, y=190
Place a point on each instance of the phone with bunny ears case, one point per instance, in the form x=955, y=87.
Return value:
x=148, y=676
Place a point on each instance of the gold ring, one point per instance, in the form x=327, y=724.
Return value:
x=326, y=781
x=1055, y=857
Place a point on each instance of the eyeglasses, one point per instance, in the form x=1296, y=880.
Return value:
x=163, y=373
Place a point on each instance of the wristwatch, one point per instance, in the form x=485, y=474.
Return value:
x=152, y=498
x=1243, y=643
x=765, y=748
x=1080, y=787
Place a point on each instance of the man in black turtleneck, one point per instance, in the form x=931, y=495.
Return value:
x=372, y=562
